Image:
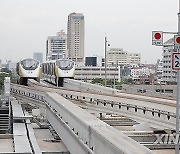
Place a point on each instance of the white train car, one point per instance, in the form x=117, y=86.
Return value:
x=27, y=69
x=56, y=70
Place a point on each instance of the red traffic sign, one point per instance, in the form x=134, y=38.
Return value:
x=157, y=38
x=176, y=60
x=176, y=41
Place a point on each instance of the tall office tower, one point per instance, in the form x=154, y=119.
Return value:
x=75, y=37
x=56, y=46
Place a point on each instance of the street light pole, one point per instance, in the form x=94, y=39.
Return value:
x=177, y=97
x=105, y=61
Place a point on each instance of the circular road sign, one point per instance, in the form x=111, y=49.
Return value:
x=157, y=38
x=178, y=40
x=157, y=35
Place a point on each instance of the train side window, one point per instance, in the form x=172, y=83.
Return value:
x=50, y=68
x=53, y=68
x=43, y=68
x=45, y=71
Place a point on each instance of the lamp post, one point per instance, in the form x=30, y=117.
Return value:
x=105, y=60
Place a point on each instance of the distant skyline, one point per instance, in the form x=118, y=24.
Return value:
x=128, y=24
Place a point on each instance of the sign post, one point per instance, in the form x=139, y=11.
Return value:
x=157, y=39
x=176, y=60
x=176, y=66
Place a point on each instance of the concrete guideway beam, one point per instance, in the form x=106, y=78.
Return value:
x=86, y=131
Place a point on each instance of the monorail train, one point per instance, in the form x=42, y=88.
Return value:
x=27, y=69
x=55, y=71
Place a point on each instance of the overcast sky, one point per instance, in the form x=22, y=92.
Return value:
x=128, y=24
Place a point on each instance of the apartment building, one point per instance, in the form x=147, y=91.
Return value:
x=168, y=75
x=56, y=46
x=117, y=56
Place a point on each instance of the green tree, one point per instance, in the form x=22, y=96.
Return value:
x=98, y=80
x=110, y=82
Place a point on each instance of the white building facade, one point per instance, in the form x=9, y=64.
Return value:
x=89, y=73
x=75, y=37
x=144, y=71
x=159, y=71
x=57, y=46
x=168, y=75
x=134, y=58
x=116, y=56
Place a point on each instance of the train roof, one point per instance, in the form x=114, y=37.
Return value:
x=28, y=59
x=53, y=61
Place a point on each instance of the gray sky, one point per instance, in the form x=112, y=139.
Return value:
x=25, y=25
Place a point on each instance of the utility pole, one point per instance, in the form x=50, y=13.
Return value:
x=177, y=96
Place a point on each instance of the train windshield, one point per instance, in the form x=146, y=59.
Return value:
x=29, y=64
x=65, y=64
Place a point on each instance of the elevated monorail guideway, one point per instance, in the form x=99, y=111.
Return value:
x=80, y=131
x=78, y=86
x=88, y=87
x=159, y=115
x=156, y=103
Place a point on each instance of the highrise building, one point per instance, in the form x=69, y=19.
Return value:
x=38, y=56
x=56, y=46
x=75, y=37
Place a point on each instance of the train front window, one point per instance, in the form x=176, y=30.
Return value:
x=65, y=64
x=29, y=64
